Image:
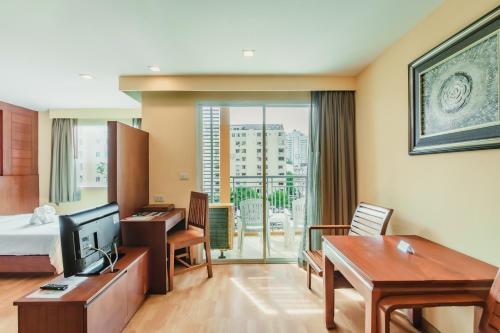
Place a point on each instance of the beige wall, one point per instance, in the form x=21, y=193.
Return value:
x=451, y=198
x=170, y=119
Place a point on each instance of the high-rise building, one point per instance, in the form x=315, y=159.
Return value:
x=246, y=150
x=296, y=149
x=210, y=132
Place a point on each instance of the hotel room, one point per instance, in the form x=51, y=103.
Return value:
x=262, y=166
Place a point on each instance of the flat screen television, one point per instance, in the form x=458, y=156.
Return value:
x=84, y=232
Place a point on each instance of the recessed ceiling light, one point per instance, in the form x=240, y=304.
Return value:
x=86, y=76
x=248, y=53
x=154, y=68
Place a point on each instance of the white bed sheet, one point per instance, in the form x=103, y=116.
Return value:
x=18, y=237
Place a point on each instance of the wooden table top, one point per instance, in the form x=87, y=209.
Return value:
x=93, y=285
x=379, y=261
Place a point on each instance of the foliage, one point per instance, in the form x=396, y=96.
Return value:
x=102, y=168
x=242, y=193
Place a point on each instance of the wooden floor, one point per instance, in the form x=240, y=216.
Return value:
x=239, y=298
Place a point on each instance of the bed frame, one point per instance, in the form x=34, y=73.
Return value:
x=19, y=193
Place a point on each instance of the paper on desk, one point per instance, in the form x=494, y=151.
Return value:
x=72, y=282
x=139, y=218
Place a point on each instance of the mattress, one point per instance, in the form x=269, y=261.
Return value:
x=18, y=238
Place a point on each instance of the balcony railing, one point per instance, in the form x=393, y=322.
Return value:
x=282, y=192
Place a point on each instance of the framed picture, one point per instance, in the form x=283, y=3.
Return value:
x=454, y=92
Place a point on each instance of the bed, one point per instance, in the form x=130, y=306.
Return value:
x=26, y=248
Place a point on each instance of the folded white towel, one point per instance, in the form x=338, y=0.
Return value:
x=43, y=214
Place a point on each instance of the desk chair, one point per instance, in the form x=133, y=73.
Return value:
x=368, y=220
x=490, y=319
x=196, y=233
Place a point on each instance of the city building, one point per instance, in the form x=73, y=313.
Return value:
x=246, y=146
x=296, y=150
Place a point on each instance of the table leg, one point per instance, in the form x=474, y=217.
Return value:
x=416, y=317
x=329, y=292
x=371, y=308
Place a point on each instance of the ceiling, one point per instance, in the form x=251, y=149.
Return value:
x=45, y=45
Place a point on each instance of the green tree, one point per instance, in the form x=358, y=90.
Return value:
x=280, y=198
x=241, y=193
x=102, y=168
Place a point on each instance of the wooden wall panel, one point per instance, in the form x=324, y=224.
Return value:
x=18, y=194
x=1, y=140
x=128, y=167
x=19, y=140
x=18, y=159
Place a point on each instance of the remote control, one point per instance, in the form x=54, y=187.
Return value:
x=54, y=286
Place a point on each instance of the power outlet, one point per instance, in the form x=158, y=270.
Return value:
x=158, y=198
x=184, y=176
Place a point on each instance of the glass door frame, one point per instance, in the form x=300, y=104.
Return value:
x=199, y=168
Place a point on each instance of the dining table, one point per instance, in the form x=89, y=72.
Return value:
x=380, y=266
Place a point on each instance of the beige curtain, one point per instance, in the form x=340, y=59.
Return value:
x=64, y=182
x=337, y=150
x=331, y=181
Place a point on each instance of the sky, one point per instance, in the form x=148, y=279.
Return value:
x=292, y=117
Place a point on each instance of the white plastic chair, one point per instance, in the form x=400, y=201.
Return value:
x=299, y=216
x=251, y=221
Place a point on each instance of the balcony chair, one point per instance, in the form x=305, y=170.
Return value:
x=368, y=220
x=196, y=233
x=298, y=214
x=251, y=220
x=490, y=318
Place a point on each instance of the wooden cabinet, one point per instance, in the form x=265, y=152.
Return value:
x=108, y=312
x=103, y=303
x=137, y=286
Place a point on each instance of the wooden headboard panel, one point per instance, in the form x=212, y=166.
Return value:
x=128, y=167
x=18, y=159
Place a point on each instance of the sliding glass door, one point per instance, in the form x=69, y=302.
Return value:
x=255, y=158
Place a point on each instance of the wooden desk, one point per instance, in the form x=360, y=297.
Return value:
x=102, y=303
x=375, y=268
x=153, y=234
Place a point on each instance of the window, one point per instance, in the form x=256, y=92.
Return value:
x=92, y=153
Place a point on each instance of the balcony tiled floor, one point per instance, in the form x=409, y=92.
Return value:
x=252, y=248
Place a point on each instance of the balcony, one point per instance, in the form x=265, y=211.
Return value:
x=285, y=216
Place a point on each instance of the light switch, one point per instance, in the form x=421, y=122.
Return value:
x=183, y=176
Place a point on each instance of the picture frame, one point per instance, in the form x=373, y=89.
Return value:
x=454, y=92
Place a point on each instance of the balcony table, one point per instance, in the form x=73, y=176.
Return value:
x=376, y=268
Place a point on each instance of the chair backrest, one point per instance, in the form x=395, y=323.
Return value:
x=251, y=212
x=299, y=212
x=490, y=320
x=198, y=210
x=370, y=220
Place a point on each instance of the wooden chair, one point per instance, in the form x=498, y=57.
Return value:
x=490, y=319
x=368, y=220
x=196, y=233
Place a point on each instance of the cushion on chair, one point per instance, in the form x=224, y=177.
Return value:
x=182, y=238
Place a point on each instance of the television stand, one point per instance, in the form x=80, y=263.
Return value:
x=101, y=303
